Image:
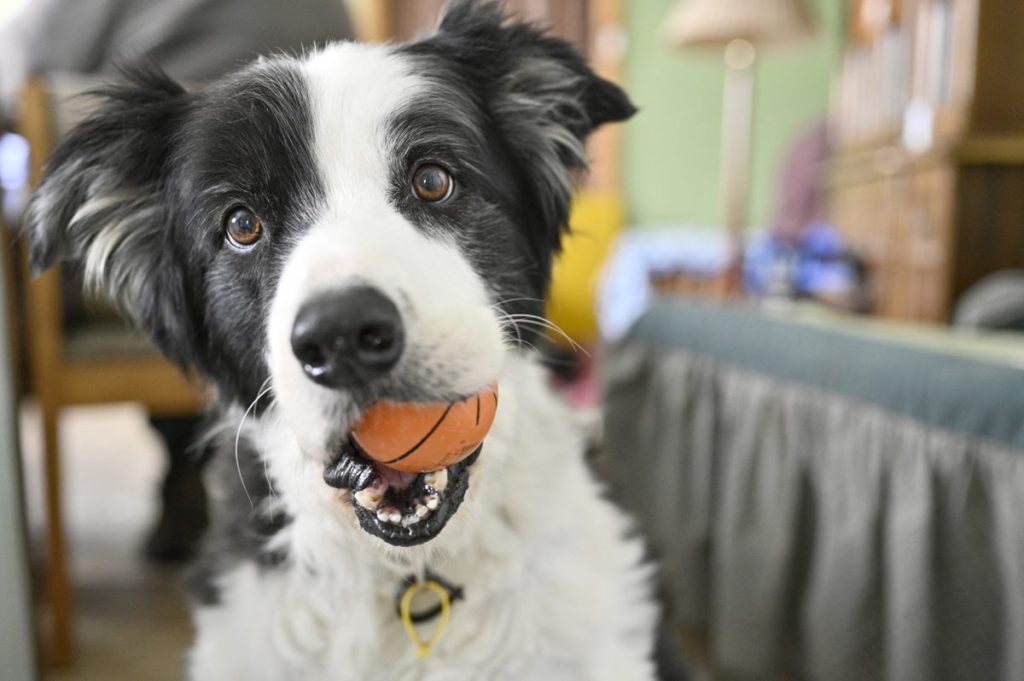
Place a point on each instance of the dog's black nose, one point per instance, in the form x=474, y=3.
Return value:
x=348, y=337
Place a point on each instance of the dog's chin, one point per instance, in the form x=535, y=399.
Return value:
x=401, y=509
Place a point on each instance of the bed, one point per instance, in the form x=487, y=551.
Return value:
x=828, y=498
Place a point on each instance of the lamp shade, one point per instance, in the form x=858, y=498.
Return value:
x=715, y=23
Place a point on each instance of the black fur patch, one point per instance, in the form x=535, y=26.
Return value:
x=152, y=175
x=249, y=145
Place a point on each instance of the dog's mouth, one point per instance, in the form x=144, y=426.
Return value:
x=402, y=509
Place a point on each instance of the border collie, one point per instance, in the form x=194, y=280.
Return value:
x=402, y=205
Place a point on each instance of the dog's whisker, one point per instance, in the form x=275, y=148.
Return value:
x=516, y=300
x=208, y=434
x=547, y=324
x=266, y=472
x=264, y=389
x=529, y=346
x=520, y=342
x=505, y=322
x=550, y=325
x=516, y=318
x=266, y=476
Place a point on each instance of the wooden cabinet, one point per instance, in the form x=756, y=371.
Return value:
x=927, y=180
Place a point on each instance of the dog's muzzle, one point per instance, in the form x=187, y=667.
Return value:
x=346, y=340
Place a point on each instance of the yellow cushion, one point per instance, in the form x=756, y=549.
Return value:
x=595, y=220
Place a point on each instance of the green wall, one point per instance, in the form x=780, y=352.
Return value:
x=673, y=144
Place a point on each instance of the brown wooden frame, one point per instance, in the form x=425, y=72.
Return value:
x=59, y=382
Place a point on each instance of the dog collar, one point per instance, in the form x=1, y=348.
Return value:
x=446, y=595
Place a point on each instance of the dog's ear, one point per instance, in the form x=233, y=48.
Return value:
x=538, y=70
x=102, y=204
x=541, y=93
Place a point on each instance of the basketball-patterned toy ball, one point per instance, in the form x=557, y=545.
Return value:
x=417, y=437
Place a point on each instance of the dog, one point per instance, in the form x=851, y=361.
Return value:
x=315, y=234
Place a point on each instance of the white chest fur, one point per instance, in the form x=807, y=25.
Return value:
x=553, y=588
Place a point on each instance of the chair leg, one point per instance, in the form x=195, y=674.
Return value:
x=58, y=585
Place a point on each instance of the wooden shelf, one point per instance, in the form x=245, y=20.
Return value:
x=932, y=220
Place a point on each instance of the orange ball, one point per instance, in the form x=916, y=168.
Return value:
x=418, y=437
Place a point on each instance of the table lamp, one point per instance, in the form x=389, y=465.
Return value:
x=739, y=29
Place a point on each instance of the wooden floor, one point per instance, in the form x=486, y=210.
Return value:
x=131, y=619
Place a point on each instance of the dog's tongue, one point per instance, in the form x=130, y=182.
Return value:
x=395, y=478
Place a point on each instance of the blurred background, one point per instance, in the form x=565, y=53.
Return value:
x=791, y=307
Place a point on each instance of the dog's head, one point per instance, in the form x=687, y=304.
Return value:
x=361, y=223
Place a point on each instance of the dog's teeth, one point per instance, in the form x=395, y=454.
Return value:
x=433, y=501
x=368, y=498
x=438, y=480
x=410, y=519
x=422, y=511
x=389, y=514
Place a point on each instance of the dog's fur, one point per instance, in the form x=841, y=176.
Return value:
x=321, y=148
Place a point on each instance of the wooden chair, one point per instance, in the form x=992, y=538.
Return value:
x=66, y=369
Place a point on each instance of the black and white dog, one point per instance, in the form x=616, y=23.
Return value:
x=314, y=234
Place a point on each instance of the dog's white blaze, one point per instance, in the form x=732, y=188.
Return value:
x=355, y=88
x=452, y=333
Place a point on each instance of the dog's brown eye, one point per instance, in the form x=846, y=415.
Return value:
x=243, y=227
x=432, y=183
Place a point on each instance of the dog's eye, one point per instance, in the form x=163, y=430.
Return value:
x=432, y=183
x=243, y=227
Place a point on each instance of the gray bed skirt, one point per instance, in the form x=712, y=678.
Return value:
x=806, y=531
